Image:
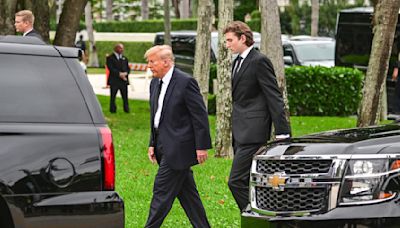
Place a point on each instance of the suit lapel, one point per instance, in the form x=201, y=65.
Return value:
x=243, y=68
x=168, y=93
x=153, y=98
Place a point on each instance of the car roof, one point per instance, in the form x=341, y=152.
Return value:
x=193, y=33
x=308, y=42
x=26, y=45
x=358, y=10
x=309, y=38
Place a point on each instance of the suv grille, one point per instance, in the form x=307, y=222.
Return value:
x=293, y=166
x=290, y=200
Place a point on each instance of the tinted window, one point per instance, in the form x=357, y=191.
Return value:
x=315, y=51
x=39, y=89
x=354, y=40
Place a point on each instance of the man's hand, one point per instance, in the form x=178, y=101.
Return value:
x=201, y=156
x=123, y=75
x=152, y=156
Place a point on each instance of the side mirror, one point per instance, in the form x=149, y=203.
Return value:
x=288, y=60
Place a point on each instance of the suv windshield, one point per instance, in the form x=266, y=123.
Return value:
x=315, y=51
x=39, y=89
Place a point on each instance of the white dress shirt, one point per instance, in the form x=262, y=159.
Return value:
x=119, y=56
x=166, y=79
x=244, y=55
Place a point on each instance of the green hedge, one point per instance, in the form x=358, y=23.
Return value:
x=321, y=91
x=134, y=51
x=144, y=26
x=212, y=104
x=137, y=26
x=213, y=75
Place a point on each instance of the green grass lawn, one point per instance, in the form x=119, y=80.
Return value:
x=135, y=174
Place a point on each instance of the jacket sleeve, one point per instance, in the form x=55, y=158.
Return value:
x=111, y=66
x=199, y=117
x=152, y=140
x=267, y=80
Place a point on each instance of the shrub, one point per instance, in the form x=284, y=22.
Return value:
x=212, y=104
x=144, y=26
x=213, y=75
x=323, y=91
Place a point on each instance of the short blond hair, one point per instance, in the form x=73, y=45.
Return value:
x=163, y=51
x=26, y=15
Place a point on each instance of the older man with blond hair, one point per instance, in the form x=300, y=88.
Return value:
x=24, y=21
x=179, y=139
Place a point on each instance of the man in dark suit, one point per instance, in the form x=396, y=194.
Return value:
x=257, y=103
x=179, y=138
x=24, y=21
x=118, y=79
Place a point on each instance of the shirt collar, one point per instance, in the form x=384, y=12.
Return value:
x=246, y=52
x=118, y=55
x=167, y=78
x=30, y=30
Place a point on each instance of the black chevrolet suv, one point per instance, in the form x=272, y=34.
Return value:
x=56, y=154
x=336, y=179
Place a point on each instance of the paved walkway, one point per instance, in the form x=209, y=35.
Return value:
x=114, y=36
x=138, y=88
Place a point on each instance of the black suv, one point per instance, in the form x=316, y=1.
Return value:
x=56, y=156
x=336, y=179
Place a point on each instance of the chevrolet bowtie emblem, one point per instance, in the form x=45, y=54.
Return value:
x=277, y=181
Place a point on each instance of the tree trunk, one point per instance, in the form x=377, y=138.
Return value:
x=201, y=70
x=175, y=4
x=93, y=57
x=167, y=24
x=314, y=17
x=7, y=15
x=271, y=45
x=223, y=136
x=69, y=22
x=185, y=9
x=109, y=11
x=144, y=11
x=384, y=21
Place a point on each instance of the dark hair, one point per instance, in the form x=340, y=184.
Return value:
x=240, y=28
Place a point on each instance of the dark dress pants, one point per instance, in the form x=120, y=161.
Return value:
x=170, y=184
x=240, y=173
x=124, y=94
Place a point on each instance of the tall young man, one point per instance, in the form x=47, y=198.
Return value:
x=257, y=103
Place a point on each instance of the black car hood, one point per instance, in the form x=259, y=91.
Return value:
x=372, y=140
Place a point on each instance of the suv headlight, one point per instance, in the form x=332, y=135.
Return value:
x=366, y=181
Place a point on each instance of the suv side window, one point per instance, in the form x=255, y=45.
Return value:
x=45, y=89
x=288, y=51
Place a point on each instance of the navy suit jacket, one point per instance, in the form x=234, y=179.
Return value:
x=115, y=66
x=34, y=33
x=183, y=126
x=257, y=101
